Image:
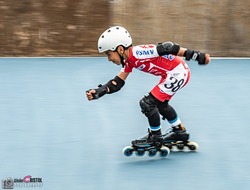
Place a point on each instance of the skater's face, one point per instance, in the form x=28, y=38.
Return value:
x=114, y=57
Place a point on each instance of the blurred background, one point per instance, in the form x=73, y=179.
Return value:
x=72, y=28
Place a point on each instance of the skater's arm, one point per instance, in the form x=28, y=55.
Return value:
x=123, y=75
x=110, y=87
x=202, y=58
x=172, y=48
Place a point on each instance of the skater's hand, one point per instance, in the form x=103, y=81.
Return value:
x=94, y=94
x=207, y=59
x=90, y=93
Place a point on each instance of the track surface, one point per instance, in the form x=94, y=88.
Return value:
x=50, y=130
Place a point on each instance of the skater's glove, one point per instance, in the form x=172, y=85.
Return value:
x=99, y=92
x=110, y=87
x=198, y=56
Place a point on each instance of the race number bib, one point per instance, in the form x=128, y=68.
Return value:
x=175, y=80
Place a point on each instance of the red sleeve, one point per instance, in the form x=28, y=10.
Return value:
x=127, y=68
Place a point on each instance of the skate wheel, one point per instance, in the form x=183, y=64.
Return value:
x=180, y=146
x=128, y=151
x=152, y=152
x=140, y=152
x=170, y=146
x=193, y=146
x=164, y=151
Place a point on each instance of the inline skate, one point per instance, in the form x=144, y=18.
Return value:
x=178, y=138
x=151, y=143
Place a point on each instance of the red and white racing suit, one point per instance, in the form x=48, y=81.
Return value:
x=173, y=70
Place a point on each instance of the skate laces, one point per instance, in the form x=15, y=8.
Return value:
x=145, y=138
x=175, y=129
x=170, y=130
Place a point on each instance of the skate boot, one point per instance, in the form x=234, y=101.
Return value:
x=149, y=140
x=151, y=143
x=178, y=137
x=177, y=133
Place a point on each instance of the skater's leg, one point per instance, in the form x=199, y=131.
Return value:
x=148, y=106
x=178, y=132
x=154, y=123
x=169, y=113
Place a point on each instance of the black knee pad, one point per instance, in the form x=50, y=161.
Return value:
x=148, y=105
x=167, y=111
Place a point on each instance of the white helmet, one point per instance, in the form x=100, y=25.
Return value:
x=113, y=37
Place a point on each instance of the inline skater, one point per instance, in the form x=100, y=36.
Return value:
x=164, y=60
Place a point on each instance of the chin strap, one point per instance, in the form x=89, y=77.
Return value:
x=122, y=60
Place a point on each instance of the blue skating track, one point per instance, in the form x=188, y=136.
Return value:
x=49, y=130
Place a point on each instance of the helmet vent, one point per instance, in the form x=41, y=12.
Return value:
x=102, y=36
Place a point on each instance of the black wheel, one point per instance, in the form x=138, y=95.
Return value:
x=170, y=146
x=128, y=151
x=180, y=146
x=164, y=151
x=152, y=152
x=140, y=152
x=192, y=147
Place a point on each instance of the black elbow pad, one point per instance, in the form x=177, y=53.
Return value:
x=167, y=48
x=115, y=85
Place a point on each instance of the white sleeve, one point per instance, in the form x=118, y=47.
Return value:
x=145, y=51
